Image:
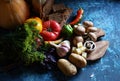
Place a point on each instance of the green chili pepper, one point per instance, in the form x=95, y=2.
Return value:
x=67, y=31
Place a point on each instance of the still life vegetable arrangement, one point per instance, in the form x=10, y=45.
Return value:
x=42, y=35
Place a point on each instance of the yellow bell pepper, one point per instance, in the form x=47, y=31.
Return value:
x=38, y=26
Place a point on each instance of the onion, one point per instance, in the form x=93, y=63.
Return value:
x=13, y=13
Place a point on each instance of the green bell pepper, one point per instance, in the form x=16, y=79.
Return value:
x=67, y=31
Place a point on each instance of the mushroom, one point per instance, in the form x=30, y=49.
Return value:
x=87, y=24
x=90, y=45
x=77, y=39
x=91, y=29
x=92, y=36
x=79, y=30
x=101, y=47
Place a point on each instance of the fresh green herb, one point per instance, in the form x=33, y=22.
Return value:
x=20, y=45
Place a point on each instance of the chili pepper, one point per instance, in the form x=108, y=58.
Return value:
x=51, y=30
x=78, y=16
x=67, y=30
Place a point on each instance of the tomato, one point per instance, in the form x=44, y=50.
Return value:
x=38, y=26
x=51, y=30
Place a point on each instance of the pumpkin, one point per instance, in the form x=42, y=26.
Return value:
x=13, y=13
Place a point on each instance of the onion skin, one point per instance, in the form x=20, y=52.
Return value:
x=13, y=13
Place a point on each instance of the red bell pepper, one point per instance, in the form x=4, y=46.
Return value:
x=51, y=30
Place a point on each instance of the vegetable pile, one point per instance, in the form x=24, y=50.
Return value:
x=48, y=43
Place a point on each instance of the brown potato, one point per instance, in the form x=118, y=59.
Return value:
x=66, y=67
x=78, y=60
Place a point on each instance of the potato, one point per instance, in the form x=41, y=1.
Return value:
x=66, y=67
x=78, y=51
x=77, y=60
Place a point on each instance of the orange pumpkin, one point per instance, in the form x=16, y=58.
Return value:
x=13, y=13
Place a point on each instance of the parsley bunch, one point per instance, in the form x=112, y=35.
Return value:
x=20, y=45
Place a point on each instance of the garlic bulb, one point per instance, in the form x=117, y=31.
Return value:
x=63, y=48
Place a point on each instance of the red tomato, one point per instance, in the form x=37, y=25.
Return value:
x=51, y=30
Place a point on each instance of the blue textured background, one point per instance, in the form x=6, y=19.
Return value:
x=106, y=15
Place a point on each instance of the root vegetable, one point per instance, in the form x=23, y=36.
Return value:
x=79, y=44
x=78, y=51
x=78, y=60
x=66, y=67
x=63, y=48
x=84, y=54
